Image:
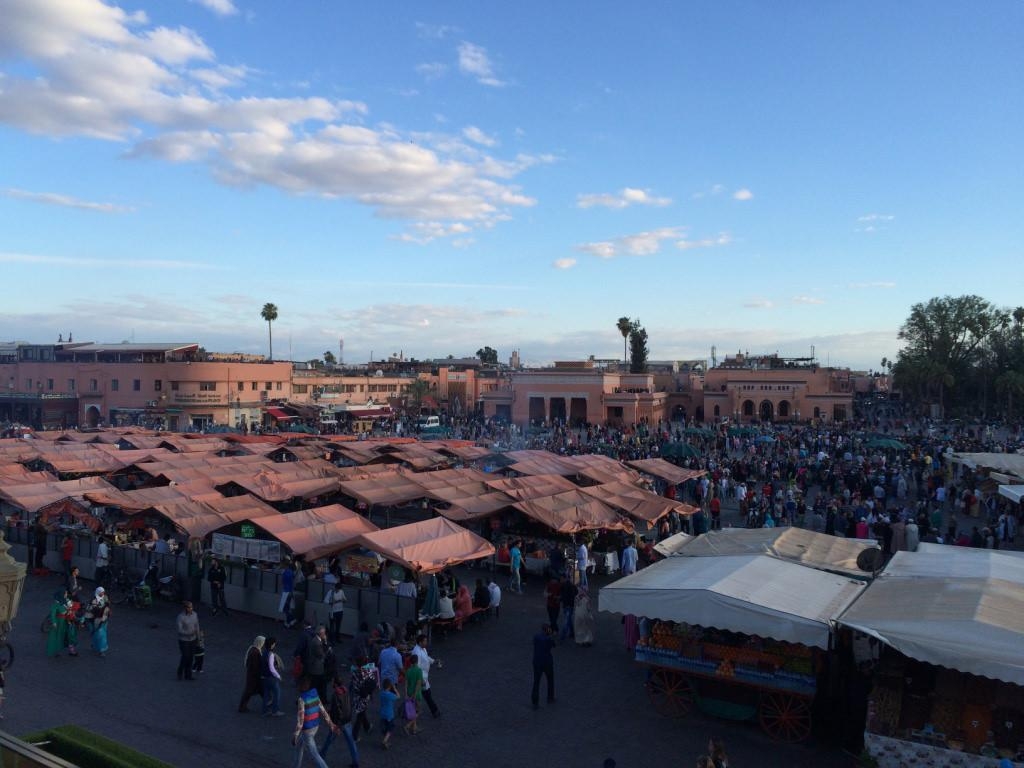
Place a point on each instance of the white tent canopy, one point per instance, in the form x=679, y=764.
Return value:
x=673, y=545
x=1012, y=492
x=752, y=594
x=1005, y=463
x=958, y=609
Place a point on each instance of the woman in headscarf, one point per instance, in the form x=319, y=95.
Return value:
x=583, y=618
x=463, y=602
x=61, y=626
x=253, y=673
x=99, y=609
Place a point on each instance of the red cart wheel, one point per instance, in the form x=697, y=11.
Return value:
x=671, y=693
x=785, y=717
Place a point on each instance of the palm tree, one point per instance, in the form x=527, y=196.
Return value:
x=269, y=313
x=417, y=390
x=625, y=326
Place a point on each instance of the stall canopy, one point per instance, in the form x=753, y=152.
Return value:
x=384, y=490
x=797, y=545
x=636, y=502
x=1012, y=492
x=428, y=546
x=572, y=512
x=666, y=470
x=971, y=623
x=672, y=545
x=523, y=488
x=752, y=594
x=198, y=518
x=318, y=532
x=1006, y=463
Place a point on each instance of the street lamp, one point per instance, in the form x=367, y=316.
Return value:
x=12, y=579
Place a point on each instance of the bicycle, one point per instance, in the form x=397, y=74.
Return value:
x=121, y=588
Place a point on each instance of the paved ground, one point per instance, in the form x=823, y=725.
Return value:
x=483, y=691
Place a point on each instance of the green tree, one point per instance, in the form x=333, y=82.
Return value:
x=416, y=391
x=488, y=356
x=1010, y=384
x=637, y=348
x=624, y=325
x=329, y=358
x=269, y=313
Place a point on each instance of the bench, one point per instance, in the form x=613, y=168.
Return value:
x=456, y=623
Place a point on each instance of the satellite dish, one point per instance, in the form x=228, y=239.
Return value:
x=870, y=560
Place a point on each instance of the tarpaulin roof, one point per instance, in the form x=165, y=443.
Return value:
x=665, y=470
x=428, y=546
x=318, y=532
x=752, y=594
x=467, y=452
x=32, y=496
x=672, y=545
x=798, y=545
x=1007, y=463
x=143, y=498
x=447, y=478
x=532, y=487
x=16, y=474
x=1012, y=492
x=636, y=502
x=965, y=620
x=273, y=486
x=573, y=511
x=386, y=490
x=198, y=518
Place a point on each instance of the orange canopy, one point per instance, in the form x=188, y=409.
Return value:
x=318, y=532
x=636, y=502
x=573, y=511
x=428, y=546
x=666, y=470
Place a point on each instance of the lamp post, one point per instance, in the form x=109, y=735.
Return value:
x=12, y=580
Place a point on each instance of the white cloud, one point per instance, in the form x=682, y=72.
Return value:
x=869, y=217
x=66, y=201
x=873, y=222
x=743, y=194
x=477, y=136
x=759, y=304
x=622, y=199
x=807, y=300
x=89, y=69
x=474, y=61
x=431, y=70
x=640, y=244
x=874, y=284
x=434, y=31
x=712, y=191
x=564, y=263
x=220, y=7
x=88, y=263
x=423, y=232
x=723, y=238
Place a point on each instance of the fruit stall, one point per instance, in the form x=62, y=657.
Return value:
x=736, y=636
x=948, y=678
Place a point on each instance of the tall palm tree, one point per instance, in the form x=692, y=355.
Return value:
x=269, y=313
x=624, y=325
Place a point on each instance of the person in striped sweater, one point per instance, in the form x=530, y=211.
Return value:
x=310, y=713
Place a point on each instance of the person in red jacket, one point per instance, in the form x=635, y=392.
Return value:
x=67, y=550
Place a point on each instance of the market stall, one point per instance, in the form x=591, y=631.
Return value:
x=426, y=547
x=738, y=636
x=948, y=670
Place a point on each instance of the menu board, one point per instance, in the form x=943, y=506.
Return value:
x=248, y=549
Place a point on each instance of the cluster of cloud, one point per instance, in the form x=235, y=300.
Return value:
x=872, y=222
x=92, y=69
x=645, y=244
x=66, y=201
x=763, y=303
x=622, y=199
x=219, y=7
x=742, y=194
x=92, y=262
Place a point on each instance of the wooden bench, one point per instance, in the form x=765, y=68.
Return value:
x=456, y=623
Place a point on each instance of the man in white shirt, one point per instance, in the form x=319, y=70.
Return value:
x=582, y=560
x=495, y=593
x=425, y=662
x=102, y=561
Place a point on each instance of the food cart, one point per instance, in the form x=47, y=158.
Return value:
x=736, y=636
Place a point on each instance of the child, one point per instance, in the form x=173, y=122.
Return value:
x=200, y=653
x=388, y=699
x=413, y=694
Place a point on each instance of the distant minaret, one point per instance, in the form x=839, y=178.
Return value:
x=341, y=351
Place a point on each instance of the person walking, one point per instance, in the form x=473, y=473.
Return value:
x=315, y=662
x=67, y=551
x=102, y=572
x=583, y=619
x=310, y=713
x=217, y=577
x=629, y=558
x=582, y=561
x=516, y=563
x=335, y=600
x=413, y=695
x=426, y=661
x=388, y=698
x=553, y=600
x=543, y=664
x=361, y=688
x=99, y=609
x=61, y=621
x=495, y=603
x=390, y=662
x=340, y=709
x=287, y=588
x=188, y=635
x=253, y=678
x=270, y=676
x=568, y=598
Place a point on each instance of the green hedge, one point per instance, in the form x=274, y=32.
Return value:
x=89, y=750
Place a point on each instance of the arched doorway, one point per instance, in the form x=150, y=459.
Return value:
x=748, y=407
x=718, y=412
x=817, y=412
x=766, y=411
x=784, y=409
x=92, y=416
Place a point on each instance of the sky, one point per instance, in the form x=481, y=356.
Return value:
x=430, y=178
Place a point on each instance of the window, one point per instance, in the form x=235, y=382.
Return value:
x=49, y=384
x=71, y=385
x=207, y=386
x=93, y=385
x=241, y=386
x=158, y=385
x=269, y=385
x=136, y=385
x=278, y=387
x=300, y=389
x=28, y=385
x=174, y=386
x=115, y=385
x=254, y=387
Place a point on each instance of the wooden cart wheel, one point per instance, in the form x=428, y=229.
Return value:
x=785, y=717
x=671, y=693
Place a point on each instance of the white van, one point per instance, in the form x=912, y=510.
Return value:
x=429, y=422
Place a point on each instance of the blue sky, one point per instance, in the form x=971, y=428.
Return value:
x=433, y=177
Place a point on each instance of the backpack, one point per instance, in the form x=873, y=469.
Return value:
x=367, y=686
x=341, y=706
